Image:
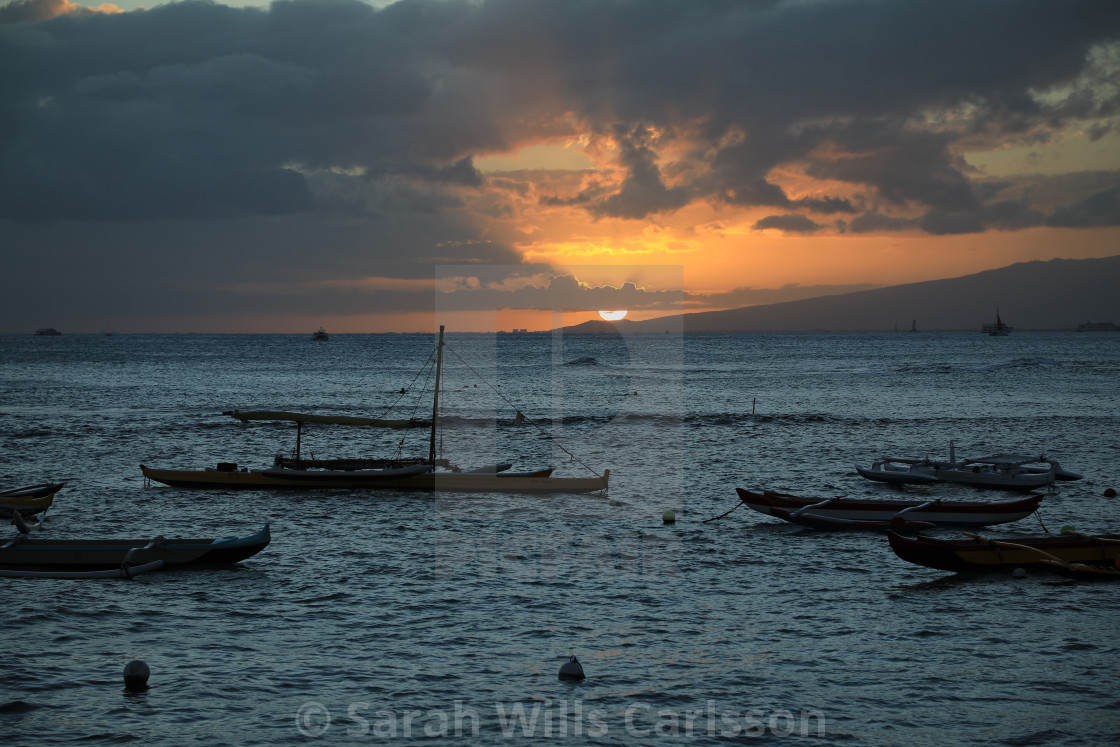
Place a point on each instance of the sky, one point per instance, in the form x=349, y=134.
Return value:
x=497, y=164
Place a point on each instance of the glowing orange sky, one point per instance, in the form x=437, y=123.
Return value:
x=719, y=250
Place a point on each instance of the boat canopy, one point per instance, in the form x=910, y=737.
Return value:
x=299, y=417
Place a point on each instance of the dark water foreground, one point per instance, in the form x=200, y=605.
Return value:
x=389, y=617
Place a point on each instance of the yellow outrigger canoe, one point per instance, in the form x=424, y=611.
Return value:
x=28, y=500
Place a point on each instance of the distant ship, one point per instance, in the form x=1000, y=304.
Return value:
x=321, y=335
x=997, y=328
x=47, y=332
x=1098, y=327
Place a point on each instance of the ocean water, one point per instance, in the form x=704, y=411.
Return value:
x=386, y=617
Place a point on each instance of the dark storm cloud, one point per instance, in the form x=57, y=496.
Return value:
x=194, y=110
x=1100, y=209
x=199, y=110
x=642, y=191
x=788, y=223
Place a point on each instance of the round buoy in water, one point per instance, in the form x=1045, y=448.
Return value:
x=669, y=517
x=1019, y=573
x=136, y=674
x=572, y=670
x=1109, y=493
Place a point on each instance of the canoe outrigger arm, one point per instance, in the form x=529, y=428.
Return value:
x=159, y=541
x=821, y=504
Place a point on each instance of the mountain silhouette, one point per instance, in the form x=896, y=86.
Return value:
x=1055, y=294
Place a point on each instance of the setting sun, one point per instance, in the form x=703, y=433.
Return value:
x=613, y=316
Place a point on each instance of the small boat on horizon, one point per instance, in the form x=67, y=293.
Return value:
x=997, y=328
x=320, y=335
x=1098, y=327
x=47, y=332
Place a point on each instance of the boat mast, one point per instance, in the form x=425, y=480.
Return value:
x=435, y=399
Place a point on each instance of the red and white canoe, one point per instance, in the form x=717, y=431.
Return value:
x=933, y=511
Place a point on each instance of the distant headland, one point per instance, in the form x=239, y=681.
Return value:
x=1059, y=294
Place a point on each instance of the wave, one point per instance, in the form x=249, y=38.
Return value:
x=1020, y=363
x=925, y=369
x=19, y=707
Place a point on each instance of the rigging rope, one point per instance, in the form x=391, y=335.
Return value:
x=1040, y=522
x=705, y=521
x=404, y=392
x=426, y=367
x=524, y=418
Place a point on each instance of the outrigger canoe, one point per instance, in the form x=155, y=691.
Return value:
x=419, y=477
x=28, y=500
x=1002, y=471
x=410, y=474
x=25, y=553
x=933, y=511
x=987, y=554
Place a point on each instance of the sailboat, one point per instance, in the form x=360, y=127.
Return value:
x=430, y=474
x=998, y=328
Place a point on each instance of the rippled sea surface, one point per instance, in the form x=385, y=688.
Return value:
x=378, y=617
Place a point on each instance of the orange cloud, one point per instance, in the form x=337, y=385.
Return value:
x=26, y=11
